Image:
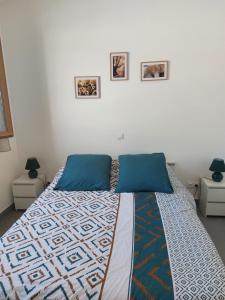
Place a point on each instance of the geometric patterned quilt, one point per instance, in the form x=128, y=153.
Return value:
x=60, y=247
x=81, y=245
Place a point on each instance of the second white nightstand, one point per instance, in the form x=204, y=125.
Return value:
x=27, y=190
x=212, y=200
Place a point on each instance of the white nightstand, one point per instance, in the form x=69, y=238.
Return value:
x=212, y=200
x=27, y=190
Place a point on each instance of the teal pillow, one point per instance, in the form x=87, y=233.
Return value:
x=143, y=173
x=86, y=172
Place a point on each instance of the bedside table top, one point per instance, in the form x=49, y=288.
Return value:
x=25, y=179
x=212, y=184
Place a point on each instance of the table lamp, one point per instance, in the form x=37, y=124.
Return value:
x=32, y=165
x=217, y=167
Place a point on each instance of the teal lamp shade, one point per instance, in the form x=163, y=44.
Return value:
x=32, y=165
x=217, y=167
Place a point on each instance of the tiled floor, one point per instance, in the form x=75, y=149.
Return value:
x=214, y=225
x=8, y=219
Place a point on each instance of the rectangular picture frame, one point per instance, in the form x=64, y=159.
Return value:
x=154, y=70
x=87, y=87
x=119, y=66
x=6, y=126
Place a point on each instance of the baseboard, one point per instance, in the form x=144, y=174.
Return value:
x=7, y=210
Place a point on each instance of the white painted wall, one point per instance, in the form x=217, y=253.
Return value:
x=48, y=42
x=9, y=170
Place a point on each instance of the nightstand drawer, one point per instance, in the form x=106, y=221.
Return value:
x=216, y=195
x=216, y=209
x=28, y=190
x=23, y=203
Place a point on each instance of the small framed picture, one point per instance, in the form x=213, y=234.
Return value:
x=154, y=70
x=119, y=66
x=87, y=87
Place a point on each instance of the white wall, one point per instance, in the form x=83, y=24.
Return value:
x=8, y=172
x=48, y=42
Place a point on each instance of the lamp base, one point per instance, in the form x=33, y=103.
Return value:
x=217, y=176
x=33, y=174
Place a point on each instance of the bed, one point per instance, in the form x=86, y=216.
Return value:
x=105, y=245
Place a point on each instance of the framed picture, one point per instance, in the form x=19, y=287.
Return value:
x=6, y=126
x=154, y=70
x=119, y=66
x=87, y=87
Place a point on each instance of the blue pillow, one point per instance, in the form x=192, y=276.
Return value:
x=143, y=173
x=87, y=172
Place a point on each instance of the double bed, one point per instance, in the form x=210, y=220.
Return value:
x=106, y=245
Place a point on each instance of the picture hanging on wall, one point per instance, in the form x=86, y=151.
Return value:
x=119, y=66
x=154, y=70
x=87, y=87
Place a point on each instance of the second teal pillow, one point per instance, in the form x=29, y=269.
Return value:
x=143, y=173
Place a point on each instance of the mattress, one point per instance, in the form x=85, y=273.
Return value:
x=103, y=245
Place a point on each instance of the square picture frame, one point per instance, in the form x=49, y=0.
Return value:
x=154, y=70
x=119, y=66
x=87, y=87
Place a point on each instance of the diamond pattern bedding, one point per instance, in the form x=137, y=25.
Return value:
x=82, y=245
